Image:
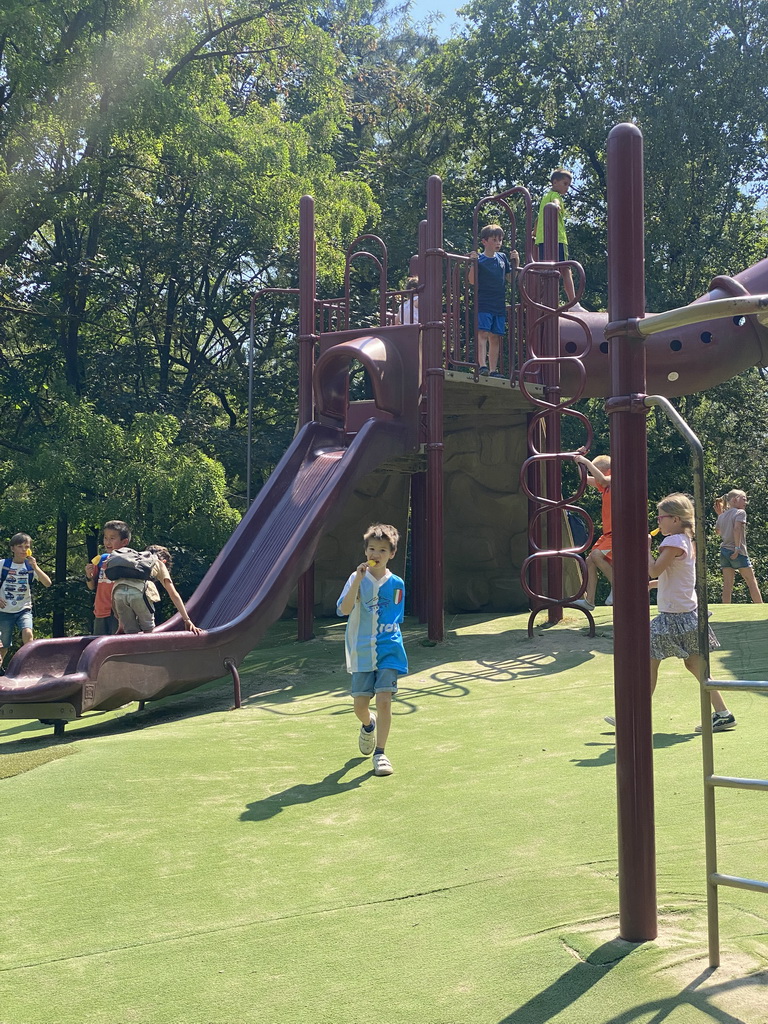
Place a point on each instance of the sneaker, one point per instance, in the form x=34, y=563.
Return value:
x=497, y=374
x=583, y=603
x=609, y=599
x=610, y=720
x=382, y=765
x=483, y=371
x=367, y=740
x=722, y=721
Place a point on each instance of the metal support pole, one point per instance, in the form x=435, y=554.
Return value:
x=419, y=564
x=249, y=458
x=629, y=506
x=307, y=293
x=236, y=692
x=432, y=327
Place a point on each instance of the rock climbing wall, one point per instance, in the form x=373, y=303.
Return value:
x=485, y=513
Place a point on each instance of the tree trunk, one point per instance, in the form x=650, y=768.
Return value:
x=59, y=626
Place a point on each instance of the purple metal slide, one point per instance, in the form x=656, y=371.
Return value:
x=248, y=585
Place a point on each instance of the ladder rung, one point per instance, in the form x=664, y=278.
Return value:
x=736, y=684
x=732, y=782
x=738, y=883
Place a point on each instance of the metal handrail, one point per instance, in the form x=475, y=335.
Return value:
x=716, y=309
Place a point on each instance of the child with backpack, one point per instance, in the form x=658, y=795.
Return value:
x=134, y=593
x=115, y=535
x=16, y=575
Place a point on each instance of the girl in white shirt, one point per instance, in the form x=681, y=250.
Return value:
x=674, y=631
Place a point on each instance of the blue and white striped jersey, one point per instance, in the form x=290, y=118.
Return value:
x=373, y=639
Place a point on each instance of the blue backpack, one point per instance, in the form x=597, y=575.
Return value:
x=6, y=568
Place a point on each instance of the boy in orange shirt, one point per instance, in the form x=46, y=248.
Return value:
x=599, y=558
x=116, y=534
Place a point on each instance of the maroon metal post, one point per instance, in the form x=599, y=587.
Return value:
x=629, y=506
x=419, y=562
x=307, y=294
x=550, y=348
x=432, y=325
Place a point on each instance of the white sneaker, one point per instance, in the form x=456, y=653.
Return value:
x=367, y=740
x=609, y=599
x=382, y=765
x=583, y=603
x=610, y=720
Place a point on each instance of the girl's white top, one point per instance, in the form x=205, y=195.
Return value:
x=677, y=584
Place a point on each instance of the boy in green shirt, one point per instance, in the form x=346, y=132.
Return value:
x=560, y=182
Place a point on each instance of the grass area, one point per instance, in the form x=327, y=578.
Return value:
x=193, y=864
x=25, y=760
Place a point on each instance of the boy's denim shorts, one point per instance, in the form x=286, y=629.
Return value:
x=492, y=323
x=21, y=620
x=739, y=562
x=366, y=684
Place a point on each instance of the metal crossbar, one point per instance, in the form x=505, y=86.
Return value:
x=712, y=782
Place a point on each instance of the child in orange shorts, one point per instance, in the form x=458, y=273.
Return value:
x=599, y=558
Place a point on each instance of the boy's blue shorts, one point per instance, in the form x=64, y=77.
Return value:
x=21, y=620
x=739, y=562
x=492, y=323
x=366, y=684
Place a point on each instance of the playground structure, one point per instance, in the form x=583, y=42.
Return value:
x=419, y=392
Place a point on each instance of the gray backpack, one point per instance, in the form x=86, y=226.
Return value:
x=127, y=564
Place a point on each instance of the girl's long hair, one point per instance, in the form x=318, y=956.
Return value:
x=680, y=505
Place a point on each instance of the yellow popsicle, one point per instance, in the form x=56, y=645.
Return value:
x=371, y=562
x=657, y=530
x=29, y=552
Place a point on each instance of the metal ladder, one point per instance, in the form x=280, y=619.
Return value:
x=712, y=782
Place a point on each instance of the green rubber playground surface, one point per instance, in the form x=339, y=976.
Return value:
x=194, y=864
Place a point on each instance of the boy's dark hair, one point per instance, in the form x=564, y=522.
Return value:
x=163, y=554
x=412, y=282
x=559, y=174
x=492, y=231
x=382, y=531
x=119, y=527
x=21, y=538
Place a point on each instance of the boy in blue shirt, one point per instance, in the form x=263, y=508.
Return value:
x=374, y=600
x=493, y=272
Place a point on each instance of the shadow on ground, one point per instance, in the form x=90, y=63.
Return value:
x=305, y=793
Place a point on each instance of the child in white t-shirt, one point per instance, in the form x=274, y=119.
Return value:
x=17, y=574
x=674, y=631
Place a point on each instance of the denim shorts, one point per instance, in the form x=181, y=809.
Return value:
x=492, y=323
x=366, y=684
x=21, y=620
x=739, y=562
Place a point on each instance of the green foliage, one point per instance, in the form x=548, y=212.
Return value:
x=152, y=159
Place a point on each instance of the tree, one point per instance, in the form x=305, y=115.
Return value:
x=537, y=83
